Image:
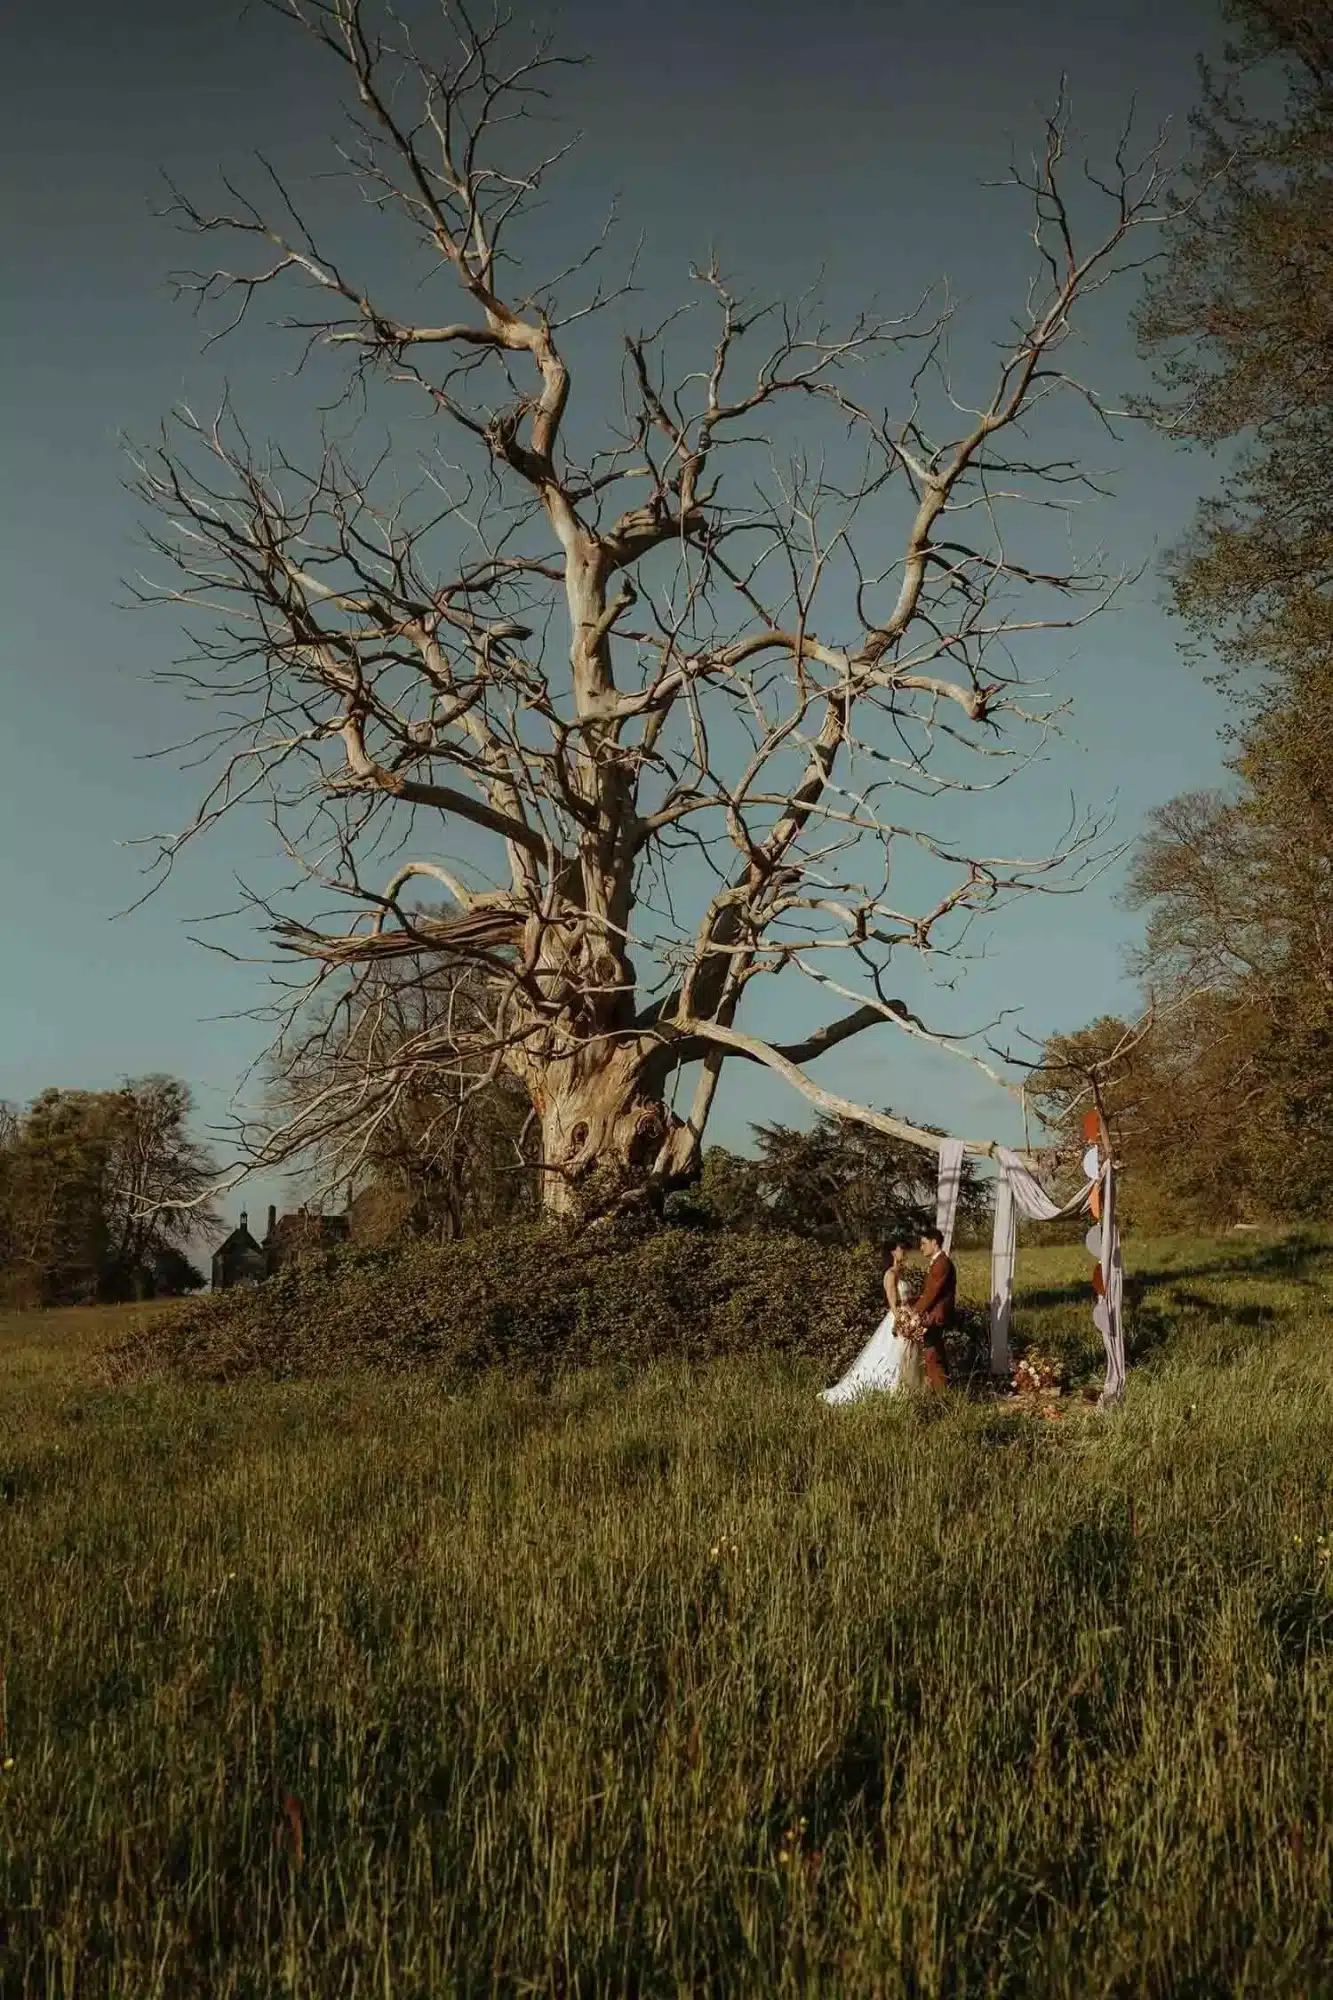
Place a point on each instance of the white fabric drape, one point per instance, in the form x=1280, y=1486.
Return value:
x=1108, y=1313
x=1004, y=1244
x=951, y=1180
x=1014, y=1190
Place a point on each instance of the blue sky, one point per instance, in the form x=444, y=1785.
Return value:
x=855, y=138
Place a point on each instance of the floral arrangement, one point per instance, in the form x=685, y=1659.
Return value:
x=909, y=1323
x=1035, y=1374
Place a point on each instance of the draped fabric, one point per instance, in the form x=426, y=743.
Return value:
x=1108, y=1313
x=951, y=1181
x=1004, y=1245
x=1015, y=1190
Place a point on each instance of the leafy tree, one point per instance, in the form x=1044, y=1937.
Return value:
x=840, y=1182
x=96, y=1187
x=1239, y=933
x=1179, y=1112
x=173, y=1274
x=1235, y=1085
x=726, y=1192
x=1239, y=319
x=57, y=1239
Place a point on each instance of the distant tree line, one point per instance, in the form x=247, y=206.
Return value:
x=96, y=1195
x=103, y=1194
x=1225, y=1110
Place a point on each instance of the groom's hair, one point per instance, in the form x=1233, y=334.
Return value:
x=933, y=1235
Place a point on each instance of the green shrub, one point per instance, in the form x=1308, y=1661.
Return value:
x=532, y=1300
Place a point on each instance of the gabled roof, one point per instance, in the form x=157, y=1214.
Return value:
x=240, y=1239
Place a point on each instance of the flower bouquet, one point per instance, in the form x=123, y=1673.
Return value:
x=909, y=1324
x=1039, y=1374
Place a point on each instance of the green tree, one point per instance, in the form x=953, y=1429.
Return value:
x=173, y=1274
x=1238, y=939
x=95, y=1187
x=1239, y=321
x=840, y=1182
x=1178, y=1110
x=1236, y=883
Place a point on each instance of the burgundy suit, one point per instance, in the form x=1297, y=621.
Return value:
x=936, y=1308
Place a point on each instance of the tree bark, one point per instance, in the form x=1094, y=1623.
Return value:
x=601, y=1117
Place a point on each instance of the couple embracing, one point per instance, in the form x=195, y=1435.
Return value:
x=906, y=1350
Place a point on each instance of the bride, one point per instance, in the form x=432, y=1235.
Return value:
x=890, y=1360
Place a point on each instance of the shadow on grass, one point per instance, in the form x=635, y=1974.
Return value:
x=1298, y=1259
x=1301, y=1622
x=1230, y=1327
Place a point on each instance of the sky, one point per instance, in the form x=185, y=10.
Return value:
x=852, y=139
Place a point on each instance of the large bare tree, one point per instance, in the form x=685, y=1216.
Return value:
x=660, y=709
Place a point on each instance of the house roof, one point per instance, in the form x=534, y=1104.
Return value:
x=240, y=1239
x=300, y=1223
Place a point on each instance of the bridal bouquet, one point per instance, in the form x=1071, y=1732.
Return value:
x=909, y=1323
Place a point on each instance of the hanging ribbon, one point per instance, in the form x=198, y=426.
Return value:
x=1108, y=1313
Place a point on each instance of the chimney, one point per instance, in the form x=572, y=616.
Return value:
x=242, y=1218
x=272, y=1219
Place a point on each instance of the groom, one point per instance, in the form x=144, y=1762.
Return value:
x=935, y=1307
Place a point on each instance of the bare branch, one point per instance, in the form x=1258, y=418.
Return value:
x=660, y=723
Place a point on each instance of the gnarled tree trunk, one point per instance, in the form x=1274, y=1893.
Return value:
x=603, y=1118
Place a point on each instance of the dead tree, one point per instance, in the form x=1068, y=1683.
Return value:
x=576, y=686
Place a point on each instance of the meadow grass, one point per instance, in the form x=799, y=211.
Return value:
x=682, y=1685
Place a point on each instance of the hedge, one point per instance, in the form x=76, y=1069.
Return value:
x=530, y=1299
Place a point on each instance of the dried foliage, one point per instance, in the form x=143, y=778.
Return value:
x=528, y=1300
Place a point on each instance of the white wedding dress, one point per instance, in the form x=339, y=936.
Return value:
x=887, y=1364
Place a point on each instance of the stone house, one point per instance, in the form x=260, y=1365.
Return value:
x=292, y=1236
x=241, y=1261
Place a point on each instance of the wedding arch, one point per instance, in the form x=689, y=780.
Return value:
x=1017, y=1191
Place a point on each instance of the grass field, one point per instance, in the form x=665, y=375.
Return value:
x=689, y=1686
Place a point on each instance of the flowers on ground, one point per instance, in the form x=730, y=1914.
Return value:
x=1035, y=1372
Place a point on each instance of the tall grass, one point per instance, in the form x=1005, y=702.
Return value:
x=681, y=1687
